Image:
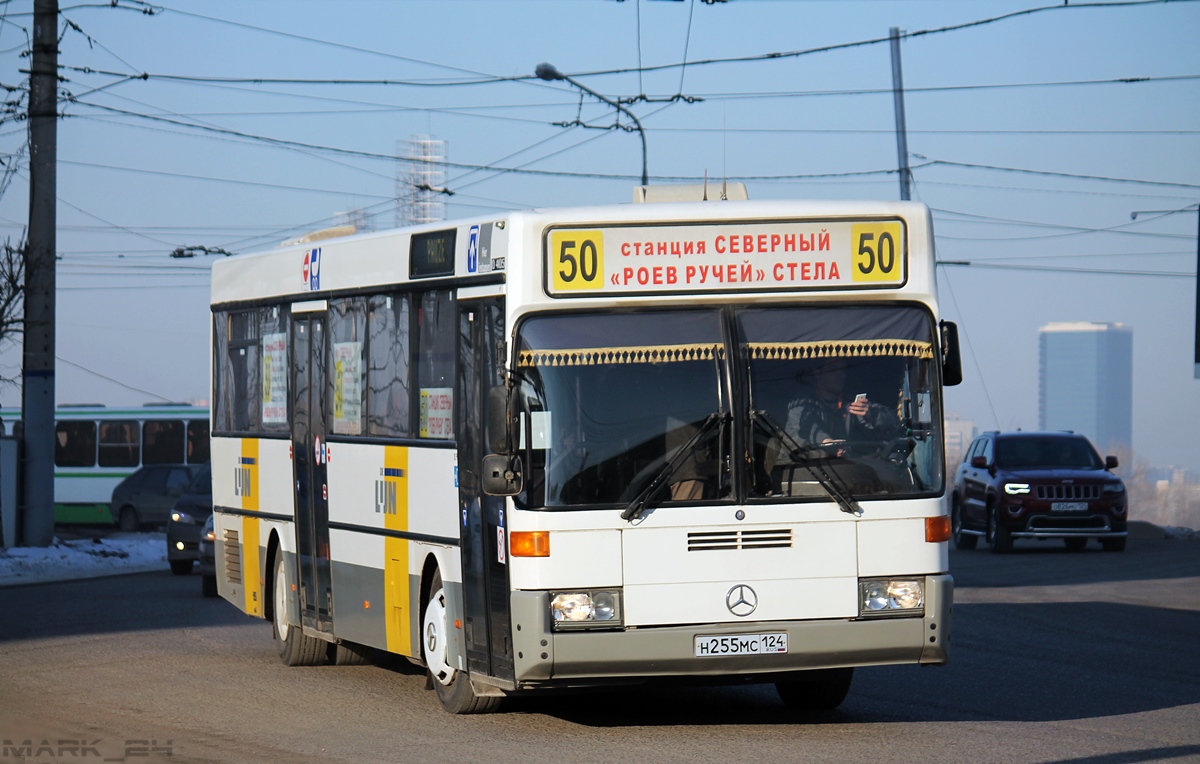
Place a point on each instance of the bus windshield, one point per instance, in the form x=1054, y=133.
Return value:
x=635, y=407
x=610, y=399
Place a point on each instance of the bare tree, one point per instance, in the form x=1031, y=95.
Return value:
x=12, y=297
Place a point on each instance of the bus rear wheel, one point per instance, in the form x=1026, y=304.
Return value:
x=295, y=648
x=453, y=687
x=818, y=690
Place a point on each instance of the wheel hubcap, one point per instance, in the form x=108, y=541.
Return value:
x=434, y=632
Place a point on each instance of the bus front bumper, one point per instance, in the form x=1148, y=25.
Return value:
x=544, y=658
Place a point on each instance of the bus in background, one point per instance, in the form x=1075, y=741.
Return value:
x=96, y=447
x=581, y=447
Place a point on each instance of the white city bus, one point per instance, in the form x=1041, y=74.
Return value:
x=569, y=448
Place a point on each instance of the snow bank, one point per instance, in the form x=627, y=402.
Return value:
x=84, y=558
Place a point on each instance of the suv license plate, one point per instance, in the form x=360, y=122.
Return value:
x=741, y=644
x=1069, y=506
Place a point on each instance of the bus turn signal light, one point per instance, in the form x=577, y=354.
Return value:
x=529, y=543
x=937, y=528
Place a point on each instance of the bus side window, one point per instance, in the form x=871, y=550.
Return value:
x=162, y=442
x=435, y=364
x=197, y=441
x=238, y=389
x=389, y=353
x=119, y=444
x=347, y=367
x=75, y=444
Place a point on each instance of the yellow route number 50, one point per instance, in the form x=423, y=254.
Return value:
x=577, y=259
x=878, y=252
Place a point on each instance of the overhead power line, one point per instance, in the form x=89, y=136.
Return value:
x=881, y=40
x=1064, y=269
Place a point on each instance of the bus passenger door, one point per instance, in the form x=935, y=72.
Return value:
x=482, y=523
x=309, y=471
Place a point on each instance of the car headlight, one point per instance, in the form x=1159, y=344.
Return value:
x=587, y=609
x=1114, y=488
x=1015, y=489
x=179, y=516
x=891, y=596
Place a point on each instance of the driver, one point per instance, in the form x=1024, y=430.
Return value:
x=826, y=412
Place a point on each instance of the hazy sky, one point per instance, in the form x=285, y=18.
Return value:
x=1002, y=117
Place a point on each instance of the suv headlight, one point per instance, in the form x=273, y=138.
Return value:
x=1016, y=489
x=891, y=596
x=586, y=609
x=179, y=516
x=1117, y=488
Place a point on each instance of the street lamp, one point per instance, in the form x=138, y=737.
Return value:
x=549, y=73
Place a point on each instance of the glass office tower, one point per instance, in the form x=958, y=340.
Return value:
x=1086, y=382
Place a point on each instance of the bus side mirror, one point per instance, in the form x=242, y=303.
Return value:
x=502, y=475
x=499, y=437
x=951, y=356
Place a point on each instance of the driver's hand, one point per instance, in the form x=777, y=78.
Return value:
x=859, y=406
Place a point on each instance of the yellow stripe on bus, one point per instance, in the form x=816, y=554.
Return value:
x=252, y=583
x=391, y=499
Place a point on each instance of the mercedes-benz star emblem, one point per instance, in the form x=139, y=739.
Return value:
x=741, y=600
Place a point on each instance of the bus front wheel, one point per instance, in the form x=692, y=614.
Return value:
x=453, y=687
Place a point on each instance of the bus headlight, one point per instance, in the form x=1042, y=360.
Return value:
x=891, y=596
x=588, y=609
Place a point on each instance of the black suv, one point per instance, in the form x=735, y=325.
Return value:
x=1037, y=485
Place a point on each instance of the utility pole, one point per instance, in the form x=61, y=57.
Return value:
x=37, y=393
x=901, y=130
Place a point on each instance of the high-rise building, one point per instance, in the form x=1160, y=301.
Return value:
x=1086, y=382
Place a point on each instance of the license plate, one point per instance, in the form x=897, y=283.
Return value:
x=741, y=644
x=1069, y=506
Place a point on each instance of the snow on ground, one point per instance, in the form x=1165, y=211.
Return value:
x=87, y=557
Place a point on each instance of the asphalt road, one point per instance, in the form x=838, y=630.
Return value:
x=1056, y=656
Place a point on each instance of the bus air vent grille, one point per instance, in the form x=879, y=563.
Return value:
x=233, y=557
x=703, y=541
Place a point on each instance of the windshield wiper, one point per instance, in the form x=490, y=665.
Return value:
x=638, y=505
x=813, y=459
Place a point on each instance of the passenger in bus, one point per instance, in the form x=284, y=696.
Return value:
x=829, y=411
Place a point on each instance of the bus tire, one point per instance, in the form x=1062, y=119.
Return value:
x=127, y=520
x=349, y=654
x=453, y=687
x=295, y=647
x=817, y=690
